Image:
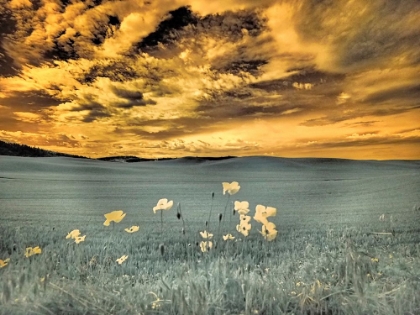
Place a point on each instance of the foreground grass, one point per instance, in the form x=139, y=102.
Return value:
x=323, y=271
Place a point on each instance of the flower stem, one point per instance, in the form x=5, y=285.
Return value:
x=182, y=217
x=227, y=201
x=161, y=223
x=211, y=209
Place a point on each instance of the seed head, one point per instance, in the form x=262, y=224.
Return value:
x=162, y=249
x=220, y=217
x=212, y=194
x=178, y=215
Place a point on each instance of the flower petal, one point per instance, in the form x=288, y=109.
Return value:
x=73, y=234
x=133, y=229
x=243, y=211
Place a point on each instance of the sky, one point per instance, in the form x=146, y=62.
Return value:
x=173, y=78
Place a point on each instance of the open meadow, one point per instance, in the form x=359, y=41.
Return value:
x=346, y=237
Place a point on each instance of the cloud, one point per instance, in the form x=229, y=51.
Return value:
x=188, y=70
x=364, y=140
x=30, y=101
x=28, y=117
x=20, y=4
x=407, y=93
x=367, y=34
x=130, y=98
x=200, y=147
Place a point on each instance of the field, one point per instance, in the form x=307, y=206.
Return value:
x=332, y=254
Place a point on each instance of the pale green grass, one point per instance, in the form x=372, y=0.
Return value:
x=318, y=271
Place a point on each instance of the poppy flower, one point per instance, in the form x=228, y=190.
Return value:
x=262, y=213
x=73, y=234
x=4, y=263
x=244, y=219
x=231, y=188
x=206, y=246
x=133, y=229
x=242, y=207
x=122, y=259
x=228, y=237
x=79, y=239
x=244, y=228
x=163, y=204
x=32, y=251
x=269, y=231
x=114, y=216
x=206, y=235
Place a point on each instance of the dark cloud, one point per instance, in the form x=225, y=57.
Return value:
x=133, y=103
x=62, y=140
x=256, y=99
x=241, y=65
x=323, y=121
x=238, y=109
x=367, y=123
x=167, y=29
x=131, y=98
x=232, y=24
x=184, y=29
x=409, y=130
x=168, y=129
x=10, y=122
x=368, y=33
x=103, y=31
x=366, y=142
x=7, y=25
x=227, y=25
x=128, y=94
x=36, y=40
x=62, y=50
x=95, y=114
x=337, y=115
x=407, y=92
x=95, y=109
x=328, y=80
x=30, y=101
x=233, y=27
x=67, y=46
x=117, y=71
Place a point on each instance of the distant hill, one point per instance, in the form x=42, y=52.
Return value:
x=124, y=158
x=15, y=149
x=131, y=159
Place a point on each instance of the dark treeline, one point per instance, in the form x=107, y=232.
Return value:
x=15, y=149
x=125, y=158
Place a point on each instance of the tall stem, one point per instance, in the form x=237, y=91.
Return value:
x=224, y=213
x=211, y=209
x=161, y=223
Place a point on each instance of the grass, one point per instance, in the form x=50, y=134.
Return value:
x=322, y=270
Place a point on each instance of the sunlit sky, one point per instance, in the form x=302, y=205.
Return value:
x=172, y=78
